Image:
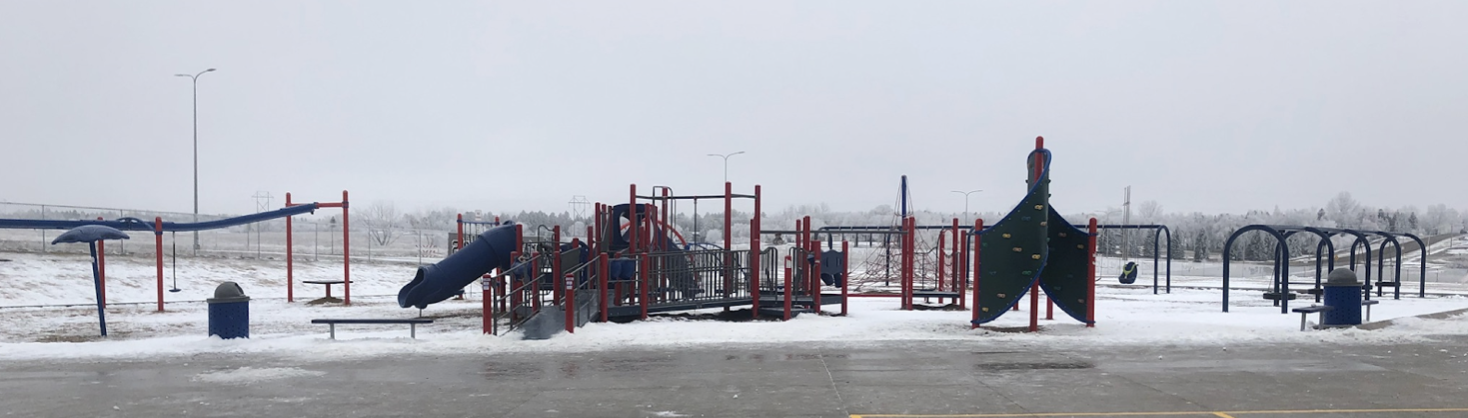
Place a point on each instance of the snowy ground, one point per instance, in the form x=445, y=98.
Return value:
x=1126, y=316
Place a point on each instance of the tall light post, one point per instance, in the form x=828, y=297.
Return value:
x=965, y=201
x=726, y=162
x=195, y=79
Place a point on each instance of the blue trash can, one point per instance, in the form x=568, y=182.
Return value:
x=229, y=312
x=1343, y=295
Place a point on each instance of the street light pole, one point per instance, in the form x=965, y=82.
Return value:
x=195, y=79
x=726, y=162
x=965, y=200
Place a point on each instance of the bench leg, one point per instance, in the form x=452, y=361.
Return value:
x=1302, y=320
x=1368, y=313
x=333, y=330
x=328, y=291
x=413, y=331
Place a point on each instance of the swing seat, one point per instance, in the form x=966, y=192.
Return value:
x=1128, y=273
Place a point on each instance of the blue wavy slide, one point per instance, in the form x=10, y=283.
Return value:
x=438, y=282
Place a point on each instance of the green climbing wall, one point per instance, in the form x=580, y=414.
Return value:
x=1012, y=252
x=1033, y=245
x=1067, y=268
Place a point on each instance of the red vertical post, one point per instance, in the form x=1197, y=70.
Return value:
x=845, y=272
x=102, y=268
x=754, y=252
x=602, y=271
x=978, y=273
x=632, y=222
x=1091, y=277
x=158, y=250
x=955, y=256
x=555, y=254
x=789, y=283
x=459, y=223
x=596, y=224
x=570, y=305
x=815, y=274
x=754, y=259
x=942, y=235
x=728, y=240
x=642, y=291
x=516, y=297
x=1034, y=288
x=964, y=270
x=910, y=261
x=486, y=308
x=290, y=279
x=346, y=252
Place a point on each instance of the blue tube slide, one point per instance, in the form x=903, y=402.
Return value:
x=438, y=282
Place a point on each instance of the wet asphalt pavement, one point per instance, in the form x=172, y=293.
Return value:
x=911, y=378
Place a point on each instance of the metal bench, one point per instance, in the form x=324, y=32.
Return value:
x=1305, y=311
x=412, y=323
x=1367, y=304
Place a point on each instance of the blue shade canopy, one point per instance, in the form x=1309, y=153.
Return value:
x=89, y=233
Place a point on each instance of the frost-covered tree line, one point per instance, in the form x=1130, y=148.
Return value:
x=1195, y=236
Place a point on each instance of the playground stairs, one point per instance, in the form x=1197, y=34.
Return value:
x=552, y=319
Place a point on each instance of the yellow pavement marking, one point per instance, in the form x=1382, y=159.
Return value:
x=1220, y=414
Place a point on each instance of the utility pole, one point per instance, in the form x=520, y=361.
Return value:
x=195, y=79
x=260, y=207
x=1126, y=219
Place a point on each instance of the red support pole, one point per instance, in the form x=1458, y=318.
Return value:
x=570, y=305
x=1049, y=308
x=978, y=273
x=910, y=261
x=603, y=269
x=459, y=242
x=754, y=259
x=642, y=291
x=845, y=273
x=789, y=283
x=346, y=252
x=632, y=222
x=815, y=275
x=754, y=251
x=964, y=270
x=555, y=254
x=942, y=235
x=158, y=250
x=486, y=308
x=954, y=257
x=290, y=279
x=728, y=240
x=1091, y=278
x=1035, y=288
x=102, y=268
x=516, y=298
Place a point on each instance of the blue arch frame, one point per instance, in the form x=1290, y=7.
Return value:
x=1284, y=249
x=1422, y=277
x=1324, y=242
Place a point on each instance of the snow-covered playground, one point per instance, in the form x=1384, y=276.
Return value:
x=48, y=312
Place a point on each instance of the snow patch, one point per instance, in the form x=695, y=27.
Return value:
x=248, y=375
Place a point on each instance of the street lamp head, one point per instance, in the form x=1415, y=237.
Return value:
x=209, y=70
x=182, y=75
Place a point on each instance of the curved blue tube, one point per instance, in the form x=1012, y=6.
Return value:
x=438, y=282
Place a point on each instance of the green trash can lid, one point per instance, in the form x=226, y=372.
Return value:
x=228, y=292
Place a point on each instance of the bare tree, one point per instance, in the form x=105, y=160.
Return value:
x=382, y=217
x=1343, y=210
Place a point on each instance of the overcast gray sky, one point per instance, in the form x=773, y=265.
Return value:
x=520, y=105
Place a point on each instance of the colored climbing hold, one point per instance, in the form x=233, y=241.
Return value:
x=1006, y=235
x=1018, y=249
x=1062, y=235
x=985, y=309
x=1035, y=256
x=1042, y=223
x=1027, y=273
x=1001, y=295
x=1039, y=207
